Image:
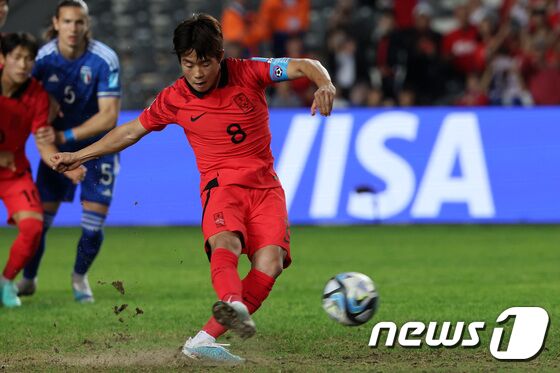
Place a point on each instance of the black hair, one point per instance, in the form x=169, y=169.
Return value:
x=9, y=42
x=201, y=33
x=51, y=33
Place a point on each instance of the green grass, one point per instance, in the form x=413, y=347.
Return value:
x=427, y=273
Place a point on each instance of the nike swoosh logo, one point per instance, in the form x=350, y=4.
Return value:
x=194, y=119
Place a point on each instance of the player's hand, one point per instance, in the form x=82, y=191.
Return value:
x=7, y=161
x=77, y=175
x=45, y=135
x=62, y=162
x=323, y=101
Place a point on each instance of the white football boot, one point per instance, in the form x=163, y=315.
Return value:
x=210, y=351
x=81, y=289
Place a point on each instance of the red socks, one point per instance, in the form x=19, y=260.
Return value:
x=225, y=279
x=256, y=287
x=24, y=247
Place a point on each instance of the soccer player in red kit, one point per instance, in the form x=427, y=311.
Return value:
x=220, y=103
x=24, y=108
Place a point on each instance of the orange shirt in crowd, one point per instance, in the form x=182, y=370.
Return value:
x=237, y=26
x=283, y=16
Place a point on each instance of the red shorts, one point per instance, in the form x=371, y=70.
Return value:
x=20, y=194
x=258, y=215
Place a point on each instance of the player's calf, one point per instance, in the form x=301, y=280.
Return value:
x=24, y=246
x=32, y=267
x=22, y=251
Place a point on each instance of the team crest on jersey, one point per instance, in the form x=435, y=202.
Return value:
x=219, y=219
x=243, y=102
x=85, y=74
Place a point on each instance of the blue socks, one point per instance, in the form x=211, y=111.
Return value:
x=90, y=242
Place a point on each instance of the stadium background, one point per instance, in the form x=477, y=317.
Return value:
x=363, y=164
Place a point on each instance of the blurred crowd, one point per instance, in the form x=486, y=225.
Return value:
x=408, y=52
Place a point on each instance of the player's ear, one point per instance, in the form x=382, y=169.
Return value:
x=55, y=23
x=221, y=56
x=2, y=59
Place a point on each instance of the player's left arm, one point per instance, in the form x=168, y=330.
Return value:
x=314, y=71
x=103, y=121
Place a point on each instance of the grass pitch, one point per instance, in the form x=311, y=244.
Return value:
x=426, y=273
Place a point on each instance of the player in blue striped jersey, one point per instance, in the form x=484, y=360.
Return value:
x=82, y=75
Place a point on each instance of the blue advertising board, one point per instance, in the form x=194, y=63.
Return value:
x=433, y=165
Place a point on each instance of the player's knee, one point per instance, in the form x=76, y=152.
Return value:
x=270, y=263
x=30, y=230
x=226, y=240
x=271, y=268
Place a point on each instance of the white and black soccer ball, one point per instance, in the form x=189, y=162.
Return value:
x=350, y=298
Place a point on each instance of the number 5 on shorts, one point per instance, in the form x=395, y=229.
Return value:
x=106, y=173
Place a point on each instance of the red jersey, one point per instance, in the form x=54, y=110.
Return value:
x=22, y=114
x=228, y=128
x=461, y=46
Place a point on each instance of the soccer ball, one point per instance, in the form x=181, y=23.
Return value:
x=350, y=298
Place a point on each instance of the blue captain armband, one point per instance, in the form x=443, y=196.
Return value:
x=278, y=67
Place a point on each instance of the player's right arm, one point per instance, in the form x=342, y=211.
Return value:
x=117, y=139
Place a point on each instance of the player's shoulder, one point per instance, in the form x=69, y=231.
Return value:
x=176, y=92
x=275, y=68
x=35, y=85
x=48, y=50
x=34, y=91
x=177, y=87
x=238, y=68
x=37, y=88
x=241, y=62
x=255, y=62
x=104, y=53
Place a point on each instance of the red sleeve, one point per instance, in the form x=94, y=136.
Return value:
x=254, y=73
x=160, y=113
x=41, y=115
